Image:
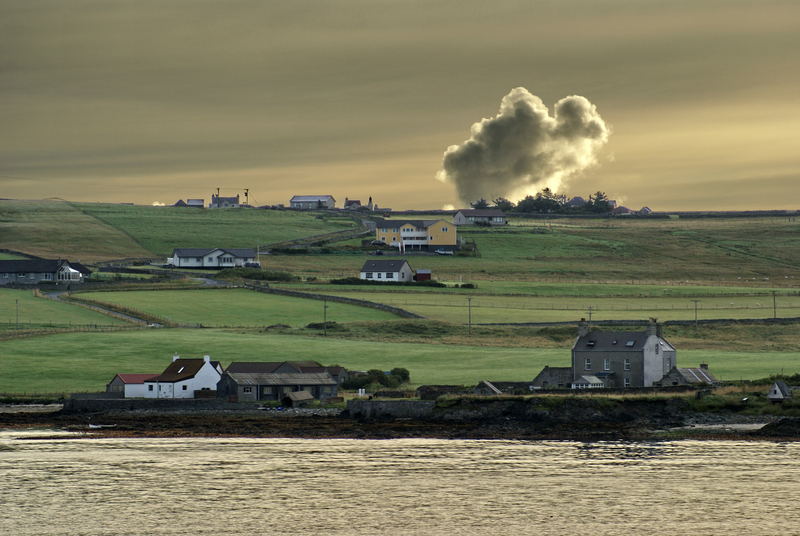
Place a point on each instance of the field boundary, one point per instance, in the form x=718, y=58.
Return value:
x=707, y=321
x=324, y=297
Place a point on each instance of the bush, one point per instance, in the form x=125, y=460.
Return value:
x=358, y=281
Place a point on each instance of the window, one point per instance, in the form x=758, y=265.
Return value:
x=388, y=275
x=247, y=389
x=149, y=387
x=606, y=364
x=627, y=381
x=627, y=364
x=630, y=343
x=379, y=275
x=444, y=229
x=369, y=275
x=199, y=259
x=183, y=387
x=669, y=363
x=587, y=364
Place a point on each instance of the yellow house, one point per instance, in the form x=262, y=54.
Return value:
x=417, y=234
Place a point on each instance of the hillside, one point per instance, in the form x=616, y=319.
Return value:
x=92, y=232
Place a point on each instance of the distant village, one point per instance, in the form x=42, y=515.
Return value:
x=599, y=359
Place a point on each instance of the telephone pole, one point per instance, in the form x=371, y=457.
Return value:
x=469, y=315
x=695, y=311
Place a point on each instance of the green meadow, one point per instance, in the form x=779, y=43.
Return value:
x=160, y=229
x=92, y=232
x=732, y=251
x=234, y=307
x=36, y=311
x=74, y=362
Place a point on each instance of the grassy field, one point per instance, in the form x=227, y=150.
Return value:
x=749, y=251
x=9, y=256
x=453, y=307
x=56, y=229
x=87, y=361
x=35, y=311
x=234, y=307
x=92, y=232
x=160, y=229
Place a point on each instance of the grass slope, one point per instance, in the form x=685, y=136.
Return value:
x=40, y=311
x=234, y=307
x=55, y=229
x=160, y=229
x=761, y=251
x=86, y=362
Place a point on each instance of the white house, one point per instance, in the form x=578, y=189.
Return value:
x=779, y=392
x=387, y=270
x=477, y=216
x=311, y=202
x=213, y=257
x=183, y=378
x=129, y=385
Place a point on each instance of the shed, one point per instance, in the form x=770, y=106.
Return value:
x=779, y=392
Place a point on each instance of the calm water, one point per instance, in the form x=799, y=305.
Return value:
x=289, y=486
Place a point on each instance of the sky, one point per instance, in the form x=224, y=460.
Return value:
x=153, y=101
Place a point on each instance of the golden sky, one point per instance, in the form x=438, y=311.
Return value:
x=144, y=101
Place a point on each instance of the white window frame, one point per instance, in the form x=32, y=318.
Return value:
x=587, y=363
x=627, y=364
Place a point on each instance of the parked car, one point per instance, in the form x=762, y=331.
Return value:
x=377, y=243
x=252, y=265
x=443, y=252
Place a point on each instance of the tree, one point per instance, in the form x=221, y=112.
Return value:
x=503, y=204
x=480, y=203
x=598, y=202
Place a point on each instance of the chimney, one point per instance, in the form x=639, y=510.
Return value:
x=653, y=327
x=175, y=357
x=583, y=327
x=207, y=358
x=704, y=366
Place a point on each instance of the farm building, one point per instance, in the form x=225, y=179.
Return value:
x=687, y=376
x=427, y=235
x=35, y=271
x=129, y=385
x=312, y=202
x=779, y=392
x=224, y=202
x=253, y=381
x=212, y=257
x=553, y=378
x=477, y=216
x=184, y=378
x=398, y=271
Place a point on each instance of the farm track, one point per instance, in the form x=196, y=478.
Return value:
x=57, y=296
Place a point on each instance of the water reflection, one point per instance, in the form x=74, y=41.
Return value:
x=410, y=486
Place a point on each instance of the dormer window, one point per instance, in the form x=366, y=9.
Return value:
x=630, y=343
x=590, y=344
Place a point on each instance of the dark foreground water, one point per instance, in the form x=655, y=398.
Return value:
x=417, y=486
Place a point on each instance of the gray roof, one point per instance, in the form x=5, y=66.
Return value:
x=384, y=266
x=696, y=375
x=262, y=367
x=306, y=198
x=292, y=378
x=588, y=378
x=200, y=252
x=784, y=390
x=39, y=266
x=483, y=212
x=617, y=341
x=396, y=224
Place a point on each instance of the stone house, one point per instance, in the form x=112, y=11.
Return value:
x=687, y=376
x=274, y=381
x=553, y=378
x=622, y=358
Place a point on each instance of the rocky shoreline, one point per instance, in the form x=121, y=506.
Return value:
x=321, y=424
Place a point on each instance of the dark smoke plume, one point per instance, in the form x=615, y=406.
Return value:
x=524, y=149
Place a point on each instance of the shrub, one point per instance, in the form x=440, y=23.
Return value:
x=256, y=274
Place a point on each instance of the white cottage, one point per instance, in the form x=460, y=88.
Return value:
x=397, y=271
x=183, y=378
x=213, y=257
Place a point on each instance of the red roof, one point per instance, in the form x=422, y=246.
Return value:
x=136, y=378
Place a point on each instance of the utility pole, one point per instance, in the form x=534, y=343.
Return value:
x=695, y=311
x=774, y=305
x=589, y=313
x=324, y=317
x=469, y=315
